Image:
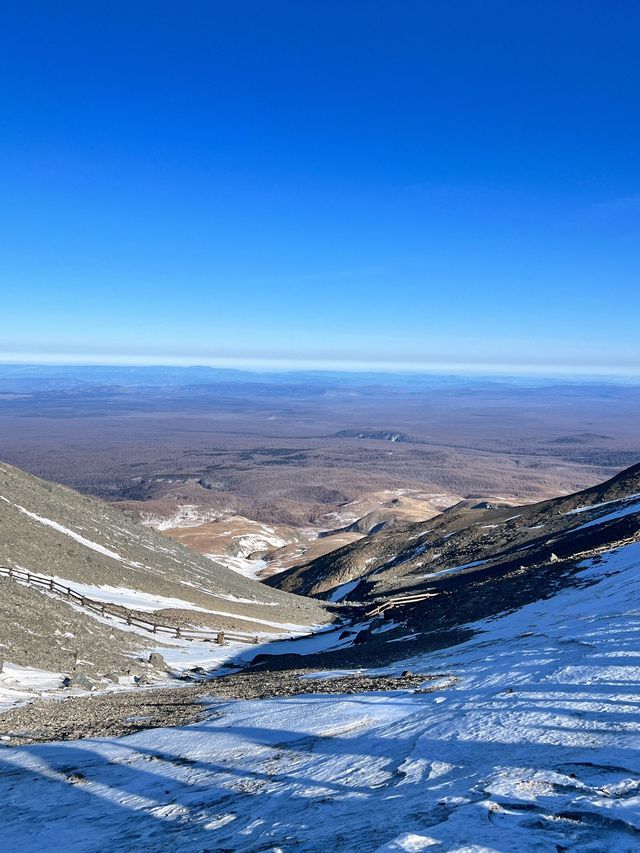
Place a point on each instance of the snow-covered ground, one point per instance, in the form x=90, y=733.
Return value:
x=19, y=684
x=590, y=507
x=188, y=515
x=132, y=598
x=343, y=590
x=455, y=569
x=531, y=744
x=242, y=565
x=148, y=602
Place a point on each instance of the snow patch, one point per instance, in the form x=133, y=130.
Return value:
x=343, y=590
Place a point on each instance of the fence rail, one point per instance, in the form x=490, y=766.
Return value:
x=117, y=611
x=397, y=600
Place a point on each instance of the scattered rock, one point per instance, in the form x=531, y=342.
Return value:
x=156, y=660
x=78, y=679
x=114, y=713
x=345, y=634
x=362, y=637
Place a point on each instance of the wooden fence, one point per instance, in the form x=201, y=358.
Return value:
x=398, y=600
x=116, y=611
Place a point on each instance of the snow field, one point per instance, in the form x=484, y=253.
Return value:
x=535, y=748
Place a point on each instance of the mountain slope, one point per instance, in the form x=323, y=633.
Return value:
x=53, y=531
x=461, y=545
x=529, y=741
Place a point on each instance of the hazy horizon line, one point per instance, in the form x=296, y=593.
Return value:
x=322, y=365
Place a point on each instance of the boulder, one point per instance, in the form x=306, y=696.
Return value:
x=362, y=637
x=157, y=661
x=78, y=679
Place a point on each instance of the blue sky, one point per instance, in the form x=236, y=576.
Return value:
x=321, y=183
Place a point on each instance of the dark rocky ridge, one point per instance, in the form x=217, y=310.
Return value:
x=410, y=557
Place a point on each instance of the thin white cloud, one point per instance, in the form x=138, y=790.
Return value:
x=293, y=364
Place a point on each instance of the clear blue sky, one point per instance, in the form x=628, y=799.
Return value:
x=322, y=182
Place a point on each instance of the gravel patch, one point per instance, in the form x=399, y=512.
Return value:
x=116, y=714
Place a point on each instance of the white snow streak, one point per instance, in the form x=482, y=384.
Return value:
x=67, y=532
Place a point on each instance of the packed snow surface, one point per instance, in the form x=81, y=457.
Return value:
x=20, y=683
x=135, y=599
x=530, y=744
x=343, y=590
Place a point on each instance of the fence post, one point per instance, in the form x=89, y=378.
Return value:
x=51, y=584
x=220, y=638
x=177, y=633
x=128, y=619
x=68, y=592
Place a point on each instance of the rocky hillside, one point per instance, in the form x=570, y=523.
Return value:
x=53, y=531
x=464, y=544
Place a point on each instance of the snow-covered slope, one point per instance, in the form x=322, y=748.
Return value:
x=530, y=742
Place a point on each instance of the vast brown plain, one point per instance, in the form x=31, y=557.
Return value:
x=290, y=449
